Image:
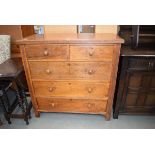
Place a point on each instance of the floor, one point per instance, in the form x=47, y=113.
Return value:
x=81, y=121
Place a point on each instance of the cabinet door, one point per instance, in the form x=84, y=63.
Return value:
x=139, y=92
x=150, y=98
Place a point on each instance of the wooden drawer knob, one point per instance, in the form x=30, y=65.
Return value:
x=90, y=90
x=91, y=53
x=52, y=104
x=151, y=64
x=90, y=72
x=51, y=89
x=89, y=105
x=48, y=71
x=46, y=53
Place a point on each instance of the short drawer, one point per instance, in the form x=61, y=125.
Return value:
x=91, y=70
x=49, y=70
x=75, y=89
x=141, y=63
x=47, y=51
x=91, y=53
x=71, y=105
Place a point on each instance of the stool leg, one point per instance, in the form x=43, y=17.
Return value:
x=24, y=104
x=6, y=114
x=7, y=118
x=26, y=120
x=1, y=122
x=20, y=101
x=30, y=115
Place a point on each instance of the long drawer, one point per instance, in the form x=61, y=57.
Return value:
x=141, y=63
x=71, y=105
x=71, y=70
x=53, y=52
x=75, y=89
x=91, y=53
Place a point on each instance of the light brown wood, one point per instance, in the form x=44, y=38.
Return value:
x=70, y=80
x=15, y=48
x=91, y=53
x=29, y=81
x=53, y=52
x=72, y=105
x=113, y=81
x=70, y=70
x=90, y=70
x=73, y=38
x=49, y=70
x=15, y=51
x=80, y=89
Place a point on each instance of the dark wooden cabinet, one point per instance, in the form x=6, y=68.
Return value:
x=135, y=93
x=135, y=88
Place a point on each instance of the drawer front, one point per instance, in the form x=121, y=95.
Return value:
x=49, y=70
x=141, y=63
x=71, y=70
x=75, y=89
x=91, y=70
x=91, y=53
x=52, y=52
x=71, y=105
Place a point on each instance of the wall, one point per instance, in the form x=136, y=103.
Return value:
x=73, y=29
x=60, y=29
x=106, y=29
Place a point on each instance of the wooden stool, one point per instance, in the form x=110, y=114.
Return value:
x=12, y=99
x=10, y=78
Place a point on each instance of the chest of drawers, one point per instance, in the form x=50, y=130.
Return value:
x=73, y=73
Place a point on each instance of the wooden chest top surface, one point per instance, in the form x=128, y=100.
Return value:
x=72, y=38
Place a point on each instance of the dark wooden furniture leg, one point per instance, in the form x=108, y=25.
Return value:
x=25, y=106
x=1, y=122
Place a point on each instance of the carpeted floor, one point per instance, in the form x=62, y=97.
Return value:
x=81, y=121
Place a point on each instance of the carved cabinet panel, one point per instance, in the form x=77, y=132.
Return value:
x=136, y=86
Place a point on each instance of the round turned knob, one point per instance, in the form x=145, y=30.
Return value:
x=90, y=72
x=151, y=64
x=48, y=71
x=50, y=89
x=46, y=53
x=91, y=53
x=90, y=90
x=52, y=104
x=89, y=105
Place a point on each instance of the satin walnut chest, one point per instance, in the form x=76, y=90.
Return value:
x=73, y=73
